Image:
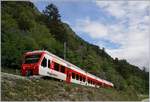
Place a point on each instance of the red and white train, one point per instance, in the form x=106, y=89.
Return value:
x=45, y=63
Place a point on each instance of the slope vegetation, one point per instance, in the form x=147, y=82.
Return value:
x=15, y=88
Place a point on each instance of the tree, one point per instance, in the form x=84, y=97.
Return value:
x=116, y=60
x=144, y=69
x=103, y=52
x=53, y=22
x=52, y=13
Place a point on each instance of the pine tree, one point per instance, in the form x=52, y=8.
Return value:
x=53, y=21
x=52, y=13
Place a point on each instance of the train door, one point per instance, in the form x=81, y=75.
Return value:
x=68, y=78
x=44, y=66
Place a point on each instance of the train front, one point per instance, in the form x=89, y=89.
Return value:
x=31, y=62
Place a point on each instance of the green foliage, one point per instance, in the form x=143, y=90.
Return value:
x=24, y=21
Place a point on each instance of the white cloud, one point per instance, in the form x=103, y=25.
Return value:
x=134, y=37
x=96, y=30
x=115, y=8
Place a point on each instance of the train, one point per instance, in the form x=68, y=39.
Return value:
x=44, y=63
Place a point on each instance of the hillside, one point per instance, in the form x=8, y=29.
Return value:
x=24, y=29
x=15, y=88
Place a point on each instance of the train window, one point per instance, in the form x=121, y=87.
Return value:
x=73, y=75
x=44, y=62
x=56, y=67
x=88, y=81
x=32, y=58
x=49, y=63
x=80, y=78
x=62, y=69
x=83, y=79
x=77, y=76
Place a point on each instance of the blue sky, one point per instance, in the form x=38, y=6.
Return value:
x=122, y=27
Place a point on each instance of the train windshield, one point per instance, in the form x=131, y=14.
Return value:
x=32, y=58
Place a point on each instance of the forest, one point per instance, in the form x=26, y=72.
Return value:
x=26, y=29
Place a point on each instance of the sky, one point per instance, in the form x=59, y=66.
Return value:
x=121, y=27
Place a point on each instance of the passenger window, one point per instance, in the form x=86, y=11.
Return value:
x=88, y=81
x=56, y=66
x=49, y=63
x=80, y=78
x=83, y=79
x=62, y=69
x=77, y=76
x=44, y=62
x=73, y=75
